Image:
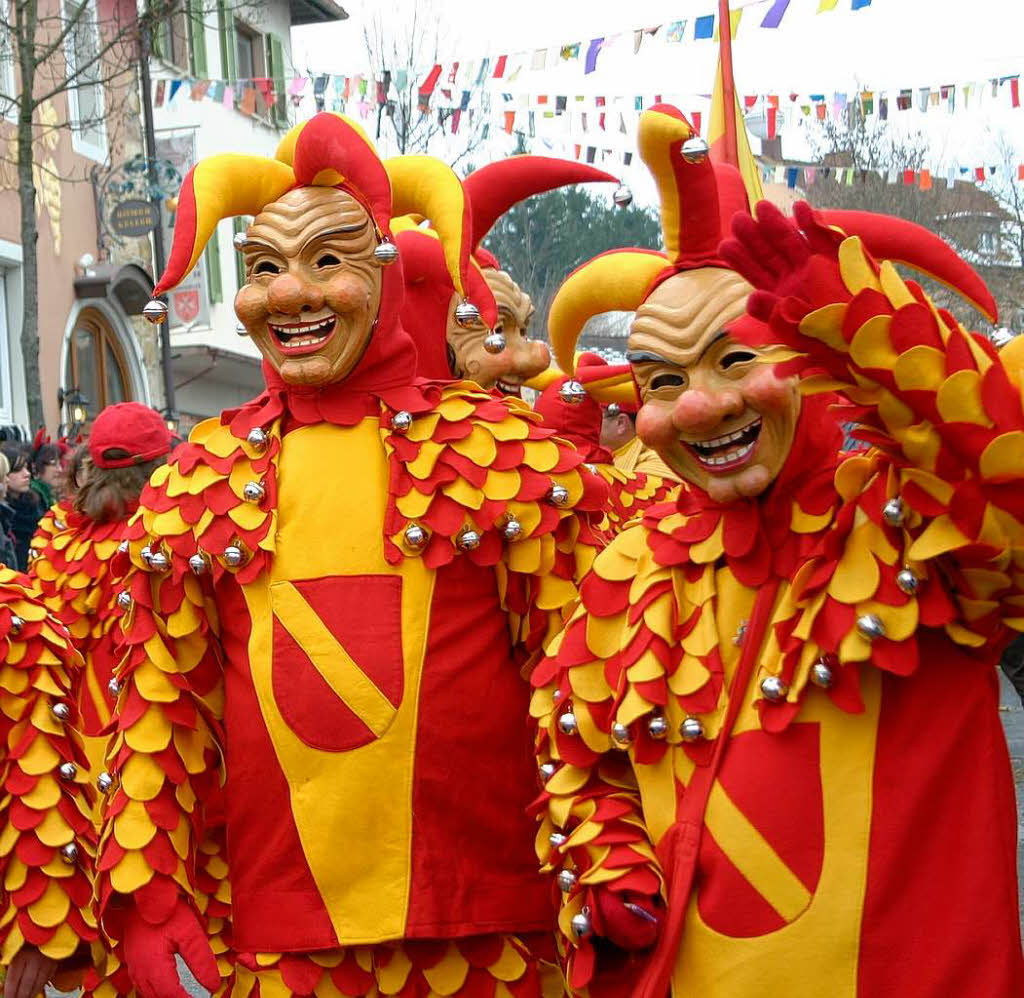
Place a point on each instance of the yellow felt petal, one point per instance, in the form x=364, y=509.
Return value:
x=141, y=777
x=920, y=367
x=893, y=287
x=448, y=974
x=510, y=966
x=871, y=346
x=393, y=975
x=606, y=635
x=502, y=484
x=959, y=399
x=52, y=908
x=151, y=733
x=478, y=446
x=856, y=270
x=1003, y=457
x=130, y=873
x=856, y=576
x=53, y=830
x=588, y=682
x=921, y=445
x=133, y=827
x=541, y=455
x=940, y=537
x=825, y=324
x=40, y=758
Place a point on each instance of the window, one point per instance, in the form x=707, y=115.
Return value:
x=96, y=364
x=250, y=60
x=181, y=39
x=85, y=74
x=8, y=83
x=6, y=409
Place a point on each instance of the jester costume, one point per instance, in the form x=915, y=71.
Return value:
x=450, y=342
x=571, y=406
x=48, y=841
x=333, y=592
x=769, y=733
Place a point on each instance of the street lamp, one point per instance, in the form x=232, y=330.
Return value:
x=171, y=420
x=77, y=407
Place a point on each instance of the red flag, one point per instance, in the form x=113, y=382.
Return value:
x=427, y=86
x=510, y=120
x=772, y=121
x=1015, y=92
x=456, y=118
x=499, y=69
x=1020, y=171
x=749, y=101
x=454, y=73
x=578, y=148
x=926, y=180
x=979, y=173
x=908, y=177
x=695, y=118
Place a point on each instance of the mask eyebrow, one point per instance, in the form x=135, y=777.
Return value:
x=647, y=357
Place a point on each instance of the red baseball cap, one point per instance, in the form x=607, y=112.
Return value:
x=128, y=433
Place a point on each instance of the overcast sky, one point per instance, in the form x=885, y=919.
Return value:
x=889, y=45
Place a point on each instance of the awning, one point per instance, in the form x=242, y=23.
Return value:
x=130, y=285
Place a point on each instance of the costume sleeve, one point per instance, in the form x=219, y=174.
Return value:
x=482, y=476
x=599, y=704
x=165, y=755
x=47, y=843
x=932, y=532
x=630, y=493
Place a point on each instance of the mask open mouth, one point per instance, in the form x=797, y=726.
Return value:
x=729, y=451
x=303, y=337
x=509, y=388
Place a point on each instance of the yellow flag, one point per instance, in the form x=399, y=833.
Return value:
x=736, y=152
x=827, y=5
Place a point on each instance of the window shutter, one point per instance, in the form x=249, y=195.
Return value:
x=280, y=114
x=226, y=33
x=197, y=39
x=214, y=283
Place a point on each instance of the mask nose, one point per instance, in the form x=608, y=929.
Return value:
x=290, y=295
x=698, y=410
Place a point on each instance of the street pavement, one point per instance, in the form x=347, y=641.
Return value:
x=1013, y=723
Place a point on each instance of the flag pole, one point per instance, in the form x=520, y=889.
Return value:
x=728, y=85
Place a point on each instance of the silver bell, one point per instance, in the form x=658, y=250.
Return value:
x=581, y=925
x=468, y=540
x=69, y=853
x=104, y=782
x=908, y=582
x=566, y=880
x=385, y=253
x=558, y=496
x=694, y=149
x=67, y=770
x=612, y=410
x=893, y=511
x=253, y=492
x=494, y=342
x=155, y=311
x=122, y=548
x=546, y=770
x=657, y=727
x=572, y=392
x=159, y=562
x=114, y=687
x=124, y=599
x=623, y=196
x=401, y=421
x=146, y=553
x=239, y=240
x=621, y=736
x=512, y=529
x=198, y=564
x=61, y=525
x=257, y=438
x=60, y=710
x=774, y=689
x=821, y=674
x=17, y=623
x=233, y=556
x=557, y=840
x=240, y=329
x=415, y=536
x=568, y=724
x=870, y=626
x=466, y=313
x=691, y=729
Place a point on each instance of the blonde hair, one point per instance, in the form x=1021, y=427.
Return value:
x=5, y=465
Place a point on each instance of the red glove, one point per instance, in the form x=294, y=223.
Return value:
x=28, y=973
x=630, y=920
x=149, y=951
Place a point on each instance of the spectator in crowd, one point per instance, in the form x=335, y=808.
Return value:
x=25, y=502
x=46, y=473
x=75, y=473
x=8, y=555
x=1012, y=663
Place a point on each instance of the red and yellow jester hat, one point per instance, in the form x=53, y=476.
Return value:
x=698, y=200
x=497, y=187
x=329, y=150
